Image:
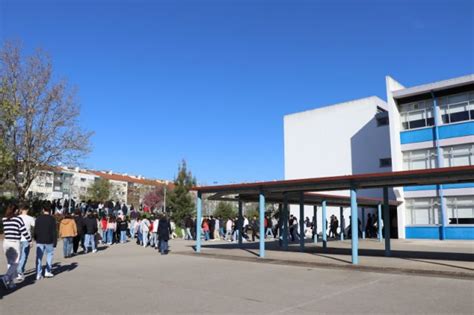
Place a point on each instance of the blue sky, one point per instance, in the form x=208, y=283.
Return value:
x=210, y=81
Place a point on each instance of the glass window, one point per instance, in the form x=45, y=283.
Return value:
x=417, y=115
x=456, y=108
x=460, y=209
x=460, y=155
x=419, y=159
x=422, y=211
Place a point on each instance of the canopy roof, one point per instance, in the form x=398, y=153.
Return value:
x=444, y=175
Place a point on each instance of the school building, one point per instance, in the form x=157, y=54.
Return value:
x=420, y=127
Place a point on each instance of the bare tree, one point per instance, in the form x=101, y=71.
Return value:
x=42, y=126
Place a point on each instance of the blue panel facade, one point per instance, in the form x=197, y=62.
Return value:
x=445, y=132
x=433, y=187
x=432, y=232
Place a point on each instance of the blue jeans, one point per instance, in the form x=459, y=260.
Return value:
x=89, y=241
x=40, y=250
x=104, y=236
x=67, y=246
x=24, y=253
x=132, y=228
x=123, y=236
x=110, y=236
x=163, y=246
x=206, y=235
x=145, y=238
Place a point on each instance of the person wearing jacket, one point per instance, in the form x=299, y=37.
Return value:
x=46, y=239
x=122, y=226
x=67, y=231
x=14, y=228
x=90, y=228
x=79, y=238
x=111, y=227
x=164, y=231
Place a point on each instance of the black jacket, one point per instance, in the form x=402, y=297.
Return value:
x=90, y=225
x=45, y=230
x=79, y=224
x=122, y=226
x=164, y=230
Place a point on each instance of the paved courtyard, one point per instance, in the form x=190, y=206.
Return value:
x=128, y=279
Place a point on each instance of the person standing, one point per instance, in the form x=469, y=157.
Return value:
x=14, y=229
x=46, y=239
x=145, y=228
x=111, y=227
x=79, y=238
x=188, y=224
x=122, y=226
x=90, y=228
x=67, y=231
x=29, y=222
x=164, y=231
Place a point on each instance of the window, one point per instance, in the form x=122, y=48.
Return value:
x=459, y=155
x=417, y=115
x=382, y=121
x=420, y=211
x=49, y=185
x=460, y=210
x=456, y=108
x=386, y=162
x=419, y=159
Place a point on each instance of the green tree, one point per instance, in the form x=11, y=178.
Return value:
x=225, y=210
x=180, y=201
x=100, y=190
x=39, y=118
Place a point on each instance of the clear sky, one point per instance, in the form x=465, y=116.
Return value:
x=210, y=81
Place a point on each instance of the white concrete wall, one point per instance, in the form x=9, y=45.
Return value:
x=397, y=155
x=341, y=139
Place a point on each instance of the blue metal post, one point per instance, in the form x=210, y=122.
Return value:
x=386, y=221
x=354, y=227
x=324, y=224
x=302, y=236
x=379, y=221
x=315, y=227
x=439, y=188
x=341, y=209
x=198, y=222
x=285, y=221
x=240, y=222
x=262, y=224
x=363, y=223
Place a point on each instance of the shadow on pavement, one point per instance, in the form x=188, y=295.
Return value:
x=30, y=277
x=317, y=250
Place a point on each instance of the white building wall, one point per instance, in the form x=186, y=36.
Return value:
x=396, y=149
x=341, y=139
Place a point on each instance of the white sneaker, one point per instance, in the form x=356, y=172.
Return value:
x=20, y=277
x=94, y=251
x=48, y=274
x=39, y=277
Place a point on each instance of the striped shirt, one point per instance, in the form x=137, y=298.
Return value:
x=14, y=228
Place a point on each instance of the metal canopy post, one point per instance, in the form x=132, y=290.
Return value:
x=198, y=222
x=315, y=227
x=386, y=221
x=363, y=224
x=240, y=222
x=354, y=227
x=341, y=209
x=302, y=236
x=284, y=219
x=262, y=224
x=324, y=214
x=379, y=221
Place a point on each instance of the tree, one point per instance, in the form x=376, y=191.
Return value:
x=180, y=200
x=99, y=191
x=40, y=128
x=154, y=198
x=225, y=210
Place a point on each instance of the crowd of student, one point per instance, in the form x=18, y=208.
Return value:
x=216, y=228
x=79, y=230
